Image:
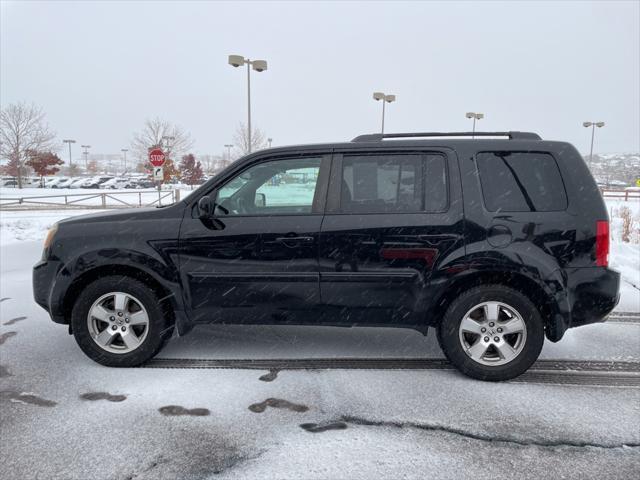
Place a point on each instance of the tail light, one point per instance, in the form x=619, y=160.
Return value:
x=602, y=243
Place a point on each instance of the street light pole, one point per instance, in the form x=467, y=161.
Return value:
x=383, y=108
x=86, y=156
x=167, y=139
x=593, y=126
x=385, y=99
x=124, y=152
x=475, y=116
x=167, y=152
x=249, y=104
x=269, y=140
x=258, y=66
x=69, y=141
x=228, y=147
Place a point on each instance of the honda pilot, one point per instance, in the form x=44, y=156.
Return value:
x=496, y=240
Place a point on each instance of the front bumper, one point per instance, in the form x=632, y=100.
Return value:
x=43, y=278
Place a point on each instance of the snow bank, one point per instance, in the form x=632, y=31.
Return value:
x=31, y=225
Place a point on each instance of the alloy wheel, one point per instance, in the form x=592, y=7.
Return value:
x=118, y=322
x=492, y=333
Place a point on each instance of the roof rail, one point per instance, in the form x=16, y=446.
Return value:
x=377, y=137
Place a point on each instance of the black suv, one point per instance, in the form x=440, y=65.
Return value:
x=496, y=242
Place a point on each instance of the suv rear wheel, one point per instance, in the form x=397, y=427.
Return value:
x=492, y=333
x=119, y=322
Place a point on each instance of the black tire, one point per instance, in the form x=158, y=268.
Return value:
x=159, y=328
x=449, y=338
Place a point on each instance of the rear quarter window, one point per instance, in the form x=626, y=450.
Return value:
x=521, y=182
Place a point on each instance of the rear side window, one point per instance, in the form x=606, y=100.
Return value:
x=521, y=182
x=393, y=183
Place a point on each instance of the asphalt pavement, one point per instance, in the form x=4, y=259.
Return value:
x=303, y=402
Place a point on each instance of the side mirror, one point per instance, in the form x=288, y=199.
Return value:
x=260, y=200
x=205, y=207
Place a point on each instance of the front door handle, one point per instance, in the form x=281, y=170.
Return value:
x=434, y=240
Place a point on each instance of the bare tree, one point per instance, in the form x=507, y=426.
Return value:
x=152, y=134
x=241, y=140
x=23, y=129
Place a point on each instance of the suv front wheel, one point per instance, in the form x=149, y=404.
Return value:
x=491, y=333
x=119, y=322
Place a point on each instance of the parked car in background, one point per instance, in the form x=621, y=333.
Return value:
x=95, y=182
x=139, y=182
x=55, y=183
x=48, y=181
x=114, y=183
x=30, y=182
x=9, y=182
x=132, y=183
x=78, y=183
x=146, y=183
x=66, y=183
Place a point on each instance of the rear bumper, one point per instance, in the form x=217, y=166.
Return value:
x=581, y=296
x=594, y=293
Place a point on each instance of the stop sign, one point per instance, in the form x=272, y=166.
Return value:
x=156, y=157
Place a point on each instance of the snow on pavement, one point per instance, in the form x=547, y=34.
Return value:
x=63, y=416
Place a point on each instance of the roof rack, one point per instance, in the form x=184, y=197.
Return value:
x=377, y=137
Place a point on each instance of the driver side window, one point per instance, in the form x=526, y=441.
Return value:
x=278, y=187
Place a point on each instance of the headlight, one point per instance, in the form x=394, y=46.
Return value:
x=50, y=234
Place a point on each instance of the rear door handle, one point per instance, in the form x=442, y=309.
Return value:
x=294, y=240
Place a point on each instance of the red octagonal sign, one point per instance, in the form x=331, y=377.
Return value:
x=156, y=157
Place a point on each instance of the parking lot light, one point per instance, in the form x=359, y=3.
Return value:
x=69, y=141
x=228, y=146
x=377, y=96
x=86, y=156
x=258, y=66
x=124, y=153
x=593, y=126
x=475, y=116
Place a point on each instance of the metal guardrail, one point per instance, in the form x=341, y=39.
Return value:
x=134, y=199
x=149, y=198
x=625, y=195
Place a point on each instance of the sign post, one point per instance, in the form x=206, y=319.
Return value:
x=157, y=159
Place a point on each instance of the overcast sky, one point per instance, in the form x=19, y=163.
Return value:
x=99, y=69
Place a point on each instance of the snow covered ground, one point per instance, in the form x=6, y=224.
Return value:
x=625, y=257
x=87, y=198
x=65, y=417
